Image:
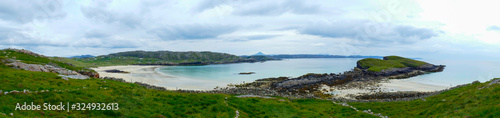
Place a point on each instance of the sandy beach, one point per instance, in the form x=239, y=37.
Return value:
x=150, y=75
x=392, y=85
x=409, y=85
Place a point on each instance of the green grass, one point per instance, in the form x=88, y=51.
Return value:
x=477, y=100
x=137, y=101
x=271, y=108
x=377, y=65
x=74, y=62
x=25, y=58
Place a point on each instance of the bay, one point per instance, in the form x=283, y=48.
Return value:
x=456, y=71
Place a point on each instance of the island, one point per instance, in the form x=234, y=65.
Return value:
x=246, y=73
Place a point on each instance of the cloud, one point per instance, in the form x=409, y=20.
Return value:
x=111, y=42
x=16, y=37
x=273, y=8
x=261, y=8
x=100, y=11
x=208, y=4
x=365, y=30
x=260, y=37
x=96, y=34
x=250, y=37
x=493, y=28
x=23, y=12
x=192, y=31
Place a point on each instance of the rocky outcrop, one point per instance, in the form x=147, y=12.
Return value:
x=42, y=68
x=310, y=83
x=66, y=73
x=27, y=52
x=406, y=72
x=114, y=79
x=431, y=68
x=496, y=81
x=246, y=73
x=151, y=86
x=89, y=73
x=115, y=71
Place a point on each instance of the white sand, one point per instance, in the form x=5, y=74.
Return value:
x=149, y=75
x=392, y=85
x=409, y=85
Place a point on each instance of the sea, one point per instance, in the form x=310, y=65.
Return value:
x=455, y=73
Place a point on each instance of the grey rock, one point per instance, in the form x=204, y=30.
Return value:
x=42, y=68
x=496, y=81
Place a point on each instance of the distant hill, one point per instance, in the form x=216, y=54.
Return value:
x=260, y=57
x=167, y=58
x=259, y=53
x=82, y=56
x=288, y=56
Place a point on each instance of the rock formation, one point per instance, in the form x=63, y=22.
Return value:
x=65, y=73
x=42, y=68
x=27, y=52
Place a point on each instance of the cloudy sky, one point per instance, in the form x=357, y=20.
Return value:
x=424, y=28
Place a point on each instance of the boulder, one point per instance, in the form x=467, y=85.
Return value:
x=89, y=73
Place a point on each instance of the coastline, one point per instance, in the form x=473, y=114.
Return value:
x=149, y=74
x=132, y=70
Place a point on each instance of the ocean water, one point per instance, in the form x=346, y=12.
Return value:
x=455, y=73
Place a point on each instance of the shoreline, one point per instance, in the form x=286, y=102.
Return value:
x=150, y=75
x=390, y=85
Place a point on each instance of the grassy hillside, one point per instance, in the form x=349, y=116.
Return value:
x=30, y=59
x=137, y=101
x=479, y=100
x=157, y=57
x=476, y=100
x=378, y=65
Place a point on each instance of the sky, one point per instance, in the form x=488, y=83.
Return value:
x=423, y=28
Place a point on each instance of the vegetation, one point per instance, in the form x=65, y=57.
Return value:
x=272, y=108
x=159, y=57
x=476, y=100
x=388, y=62
x=137, y=101
x=259, y=57
x=30, y=59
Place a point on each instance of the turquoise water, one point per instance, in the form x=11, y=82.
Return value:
x=456, y=72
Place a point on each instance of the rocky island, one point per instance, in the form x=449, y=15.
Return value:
x=368, y=72
x=246, y=73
